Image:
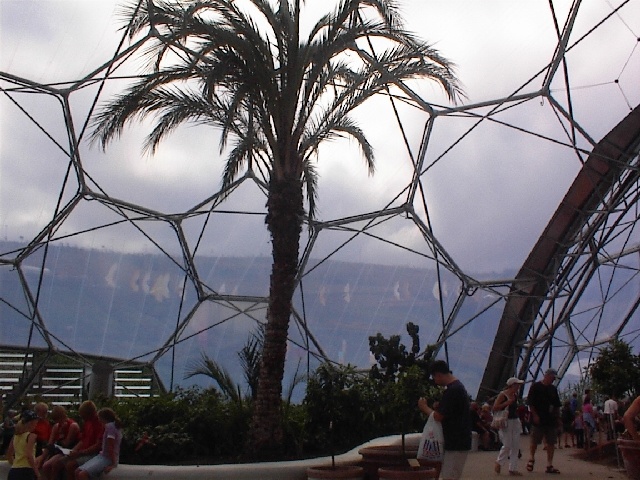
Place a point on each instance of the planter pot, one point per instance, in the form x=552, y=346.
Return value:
x=431, y=464
x=378, y=456
x=630, y=451
x=406, y=473
x=348, y=472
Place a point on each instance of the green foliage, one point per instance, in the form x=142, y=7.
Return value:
x=250, y=356
x=342, y=408
x=210, y=425
x=615, y=371
x=393, y=357
x=293, y=417
x=185, y=426
x=346, y=407
x=334, y=402
x=208, y=367
x=195, y=426
x=294, y=424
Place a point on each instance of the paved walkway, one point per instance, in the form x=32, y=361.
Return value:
x=480, y=465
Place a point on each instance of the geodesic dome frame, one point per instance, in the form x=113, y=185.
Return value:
x=585, y=242
x=455, y=299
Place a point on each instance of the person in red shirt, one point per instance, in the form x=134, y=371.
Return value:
x=65, y=433
x=43, y=427
x=90, y=438
x=87, y=447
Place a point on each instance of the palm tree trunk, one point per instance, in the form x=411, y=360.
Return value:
x=284, y=219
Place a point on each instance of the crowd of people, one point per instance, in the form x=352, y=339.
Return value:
x=574, y=423
x=47, y=444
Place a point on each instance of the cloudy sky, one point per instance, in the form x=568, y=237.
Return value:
x=489, y=196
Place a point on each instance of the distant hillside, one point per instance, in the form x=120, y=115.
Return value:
x=127, y=306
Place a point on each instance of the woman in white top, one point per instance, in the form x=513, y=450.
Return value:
x=510, y=435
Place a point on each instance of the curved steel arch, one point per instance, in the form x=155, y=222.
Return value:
x=564, y=259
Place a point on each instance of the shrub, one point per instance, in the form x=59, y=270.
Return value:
x=335, y=407
x=346, y=407
x=615, y=371
x=186, y=426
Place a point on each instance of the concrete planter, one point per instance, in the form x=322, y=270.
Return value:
x=348, y=472
x=630, y=451
x=380, y=456
x=406, y=473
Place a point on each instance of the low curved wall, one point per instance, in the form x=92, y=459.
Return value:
x=292, y=470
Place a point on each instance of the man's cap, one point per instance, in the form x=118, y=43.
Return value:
x=513, y=380
x=551, y=371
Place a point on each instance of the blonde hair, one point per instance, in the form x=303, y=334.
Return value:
x=40, y=407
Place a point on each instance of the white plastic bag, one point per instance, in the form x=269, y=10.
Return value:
x=431, y=445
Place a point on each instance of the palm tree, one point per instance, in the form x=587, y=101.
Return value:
x=243, y=68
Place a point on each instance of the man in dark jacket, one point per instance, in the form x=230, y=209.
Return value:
x=453, y=411
x=544, y=405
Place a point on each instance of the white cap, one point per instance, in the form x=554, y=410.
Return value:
x=513, y=380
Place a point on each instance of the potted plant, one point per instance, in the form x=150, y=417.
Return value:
x=346, y=472
x=328, y=391
x=630, y=451
x=403, y=378
x=410, y=386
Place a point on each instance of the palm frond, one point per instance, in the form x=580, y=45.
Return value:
x=250, y=356
x=298, y=379
x=340, y=126
x=137, y=102
x=310, y=181
x=210, y=368
x=388, y=10
x=262, y=86
x=176, y=107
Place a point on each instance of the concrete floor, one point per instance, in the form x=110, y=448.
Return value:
x=479, y=466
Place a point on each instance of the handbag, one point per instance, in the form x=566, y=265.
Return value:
x=499, y=421
x=431, y=446
x=500, y=417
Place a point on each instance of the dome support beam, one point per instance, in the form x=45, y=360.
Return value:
x=548, y=262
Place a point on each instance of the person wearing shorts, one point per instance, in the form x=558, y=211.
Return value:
x=87, y=447
x=109, y=455
x=544, y=404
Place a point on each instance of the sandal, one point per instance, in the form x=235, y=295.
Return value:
x=550, y=469
x=497, y=468
x=530, y=464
